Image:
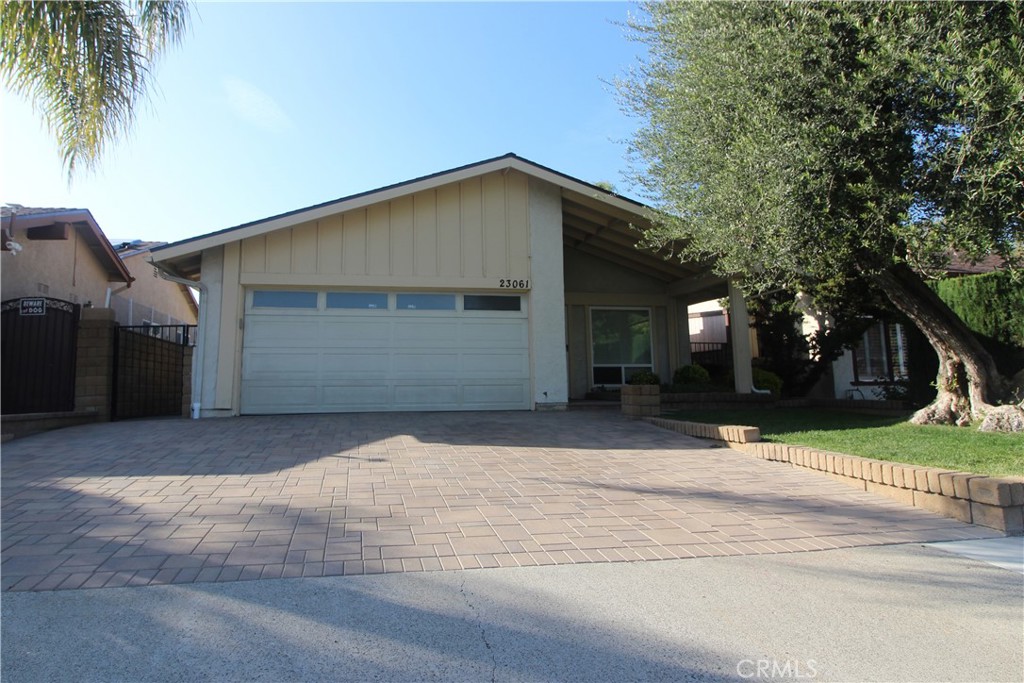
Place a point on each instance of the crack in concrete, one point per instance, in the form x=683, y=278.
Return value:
x=480, y=625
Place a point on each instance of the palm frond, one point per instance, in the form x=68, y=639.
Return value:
x=84, y=66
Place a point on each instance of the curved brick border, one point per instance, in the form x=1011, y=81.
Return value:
x=995, y=502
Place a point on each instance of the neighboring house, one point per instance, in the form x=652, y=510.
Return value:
x=58, y=253
x=151, y=300
x=63, y=254
x=494, y=286
x=889, y=352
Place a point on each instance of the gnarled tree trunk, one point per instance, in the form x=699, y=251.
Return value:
x=968, y=382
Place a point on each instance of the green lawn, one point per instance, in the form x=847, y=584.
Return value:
x=881, y=437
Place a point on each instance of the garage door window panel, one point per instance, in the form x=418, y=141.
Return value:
x=369, y=301
x=271, y=298
x=426, y=302
x=487, y=302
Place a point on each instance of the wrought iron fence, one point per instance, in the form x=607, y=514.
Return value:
x=39, y=338
x=711, y=353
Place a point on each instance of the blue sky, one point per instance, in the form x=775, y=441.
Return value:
x=270, y=107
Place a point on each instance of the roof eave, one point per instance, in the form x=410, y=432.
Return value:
x=197, y=244
x=105, y=253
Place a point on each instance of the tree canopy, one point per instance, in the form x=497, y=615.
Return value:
x=822, y=147
x=85, y=66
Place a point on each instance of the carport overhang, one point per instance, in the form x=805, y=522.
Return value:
x=593, y=226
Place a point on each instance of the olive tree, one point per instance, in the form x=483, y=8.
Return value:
x=829, y=147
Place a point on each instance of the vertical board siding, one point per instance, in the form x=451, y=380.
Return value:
x=330, y=247
x=353, y=256
x=471, y=203
x=378, y=240
x=425, y=246
x=495, y=227
x=401, y=236
x=279, y=251
x=472, y=229
x=449, y=231
x=304, y=248
x=254, y=255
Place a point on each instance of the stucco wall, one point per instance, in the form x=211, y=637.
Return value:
x=60, y=269
x=149, y=292
x=547, y=298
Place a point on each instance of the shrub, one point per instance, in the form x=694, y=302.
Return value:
x=691, y=374
x=991, y=304
x=644, y=377
x=766, y=379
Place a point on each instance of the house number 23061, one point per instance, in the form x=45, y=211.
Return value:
x=514, y=284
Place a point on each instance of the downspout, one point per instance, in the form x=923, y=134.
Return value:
x=197, y=356
x=111, y=292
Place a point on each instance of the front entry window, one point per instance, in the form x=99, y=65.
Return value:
x=621, y=340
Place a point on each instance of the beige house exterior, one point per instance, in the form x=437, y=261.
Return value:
x=63, y=254
x=151, y=300
x=498, y=285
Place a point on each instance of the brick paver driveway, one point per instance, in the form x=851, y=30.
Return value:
x=176, y=501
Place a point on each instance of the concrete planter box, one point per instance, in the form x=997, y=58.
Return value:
x=641, y=400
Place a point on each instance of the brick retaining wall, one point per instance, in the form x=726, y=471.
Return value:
x=995, y=502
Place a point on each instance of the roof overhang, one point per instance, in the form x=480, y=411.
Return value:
x=56, y=225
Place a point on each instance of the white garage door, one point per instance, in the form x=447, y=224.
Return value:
x=306, y=352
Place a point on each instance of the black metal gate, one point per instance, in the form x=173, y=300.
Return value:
x=149, y=366
x=38, y=348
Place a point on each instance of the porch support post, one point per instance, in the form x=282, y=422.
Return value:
x=682, y=324
x=739, y=328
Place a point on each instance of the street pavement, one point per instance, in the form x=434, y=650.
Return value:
x=905, y=612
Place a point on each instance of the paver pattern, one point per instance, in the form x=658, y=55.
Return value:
x=178, y=501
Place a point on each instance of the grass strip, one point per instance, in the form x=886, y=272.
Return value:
x=882, y=437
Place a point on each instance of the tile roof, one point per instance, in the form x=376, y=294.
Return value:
x=10, y=209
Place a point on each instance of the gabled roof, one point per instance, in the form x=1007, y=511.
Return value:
x=362, y=199
x=594, y=221
x=38, y=218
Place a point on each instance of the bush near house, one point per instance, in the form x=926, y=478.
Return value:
x=992, y=305
x=644, y=377
x=766, y=379
x=690, y=374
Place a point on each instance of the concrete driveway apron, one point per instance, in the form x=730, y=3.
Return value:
x=177, y=501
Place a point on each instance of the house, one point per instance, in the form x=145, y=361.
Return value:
x=151, y=300
x=501, y=285
x=891, y=352
x=63, y=254
x=58, y=253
